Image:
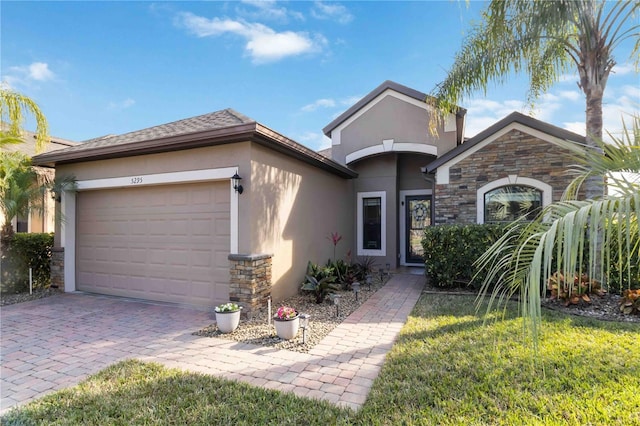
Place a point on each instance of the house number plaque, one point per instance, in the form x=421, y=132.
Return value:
x=136, y=180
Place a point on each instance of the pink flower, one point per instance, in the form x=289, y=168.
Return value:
x=286, y=312
x=335, y=238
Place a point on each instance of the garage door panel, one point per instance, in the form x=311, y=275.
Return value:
x=165, y=243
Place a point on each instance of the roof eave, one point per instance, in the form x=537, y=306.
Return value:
x=253, y=132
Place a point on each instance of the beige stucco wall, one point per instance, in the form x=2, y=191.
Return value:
x=409, y=171
x=231, y=155
x=391, y=118
x=380, y=173
x=287, y=208
x=294, y=207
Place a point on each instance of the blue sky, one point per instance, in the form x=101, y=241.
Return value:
x=99, y=68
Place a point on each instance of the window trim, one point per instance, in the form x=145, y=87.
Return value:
x=383, y=223
x=547, y=191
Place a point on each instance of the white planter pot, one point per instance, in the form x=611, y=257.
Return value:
x=287, y=329
x=228, y=321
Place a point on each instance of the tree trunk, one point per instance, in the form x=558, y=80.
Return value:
x=594, y=185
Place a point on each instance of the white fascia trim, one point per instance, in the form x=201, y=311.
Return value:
x=442, y=174
x=68, y=239
x=546, y=189
x=403, y=221
x=383, y=226
x=395, y=147
x=335, y=133
x=68, y=233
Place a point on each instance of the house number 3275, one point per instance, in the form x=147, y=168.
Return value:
x=136, y=180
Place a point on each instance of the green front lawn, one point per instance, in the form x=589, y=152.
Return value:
x=446, y=368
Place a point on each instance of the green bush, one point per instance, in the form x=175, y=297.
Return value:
x=451, y=250
x=26, y=251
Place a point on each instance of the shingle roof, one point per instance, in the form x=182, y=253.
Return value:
x=216, y=128
x=514, y=117
x=215, y=120
x=29, y=145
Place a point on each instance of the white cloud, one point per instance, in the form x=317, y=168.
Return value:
x=320, y=103
x=263, y=43
x=623, y=69
x=332, y=11
x=119, y=106
x=26, y=74
x=314, y=140
x=350, y=100
x=40, y=71
x=268, y=9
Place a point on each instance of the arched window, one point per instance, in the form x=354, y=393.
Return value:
x=510, y=202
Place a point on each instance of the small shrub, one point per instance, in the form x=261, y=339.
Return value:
x=24, y=251
x=451, y=250
x=574, y=290
x=363, y=267
x=320, y=281
x=630, y=303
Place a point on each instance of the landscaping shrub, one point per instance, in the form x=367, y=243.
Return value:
x=451, y=250
x=24, y=251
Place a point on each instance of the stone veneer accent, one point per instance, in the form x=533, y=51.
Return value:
x=57, y=267
x=515, y=153
x=250, y=284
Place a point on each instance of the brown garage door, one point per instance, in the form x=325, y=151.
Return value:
x=166, y=243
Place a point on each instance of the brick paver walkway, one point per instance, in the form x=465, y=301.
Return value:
x=50, y=344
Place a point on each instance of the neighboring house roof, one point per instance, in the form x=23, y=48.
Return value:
x=29, y=145
x=325, y=152
x=514, y=117
x=422, y=97
x=216, y=128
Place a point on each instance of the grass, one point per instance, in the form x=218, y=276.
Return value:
x=446, y=368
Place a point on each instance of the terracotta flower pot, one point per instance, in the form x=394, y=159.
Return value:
x=228, y=321
x=287, y=329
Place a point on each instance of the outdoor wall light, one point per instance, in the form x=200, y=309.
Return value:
x=304, y=323
x=356, y=288
x=236, y=183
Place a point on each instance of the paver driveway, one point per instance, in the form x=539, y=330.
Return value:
x=53, y=343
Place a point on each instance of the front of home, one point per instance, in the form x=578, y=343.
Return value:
x=157, y=215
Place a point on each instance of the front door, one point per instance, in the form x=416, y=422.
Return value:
x=417, y=217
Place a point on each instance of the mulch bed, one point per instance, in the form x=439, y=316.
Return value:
x=323, y=320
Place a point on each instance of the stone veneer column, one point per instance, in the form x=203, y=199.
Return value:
x=57, y=268
x=250, y=284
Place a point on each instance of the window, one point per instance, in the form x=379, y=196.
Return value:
x=372, y=220
x=22, y=223
x=372, y=223
x=510, y=202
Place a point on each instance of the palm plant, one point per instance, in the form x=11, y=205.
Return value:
x=20, y=189
x=13, y=108
x=544, y=40
x=567, y=236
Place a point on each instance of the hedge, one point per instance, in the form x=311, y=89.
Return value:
x=451, y=250
x=26, y=251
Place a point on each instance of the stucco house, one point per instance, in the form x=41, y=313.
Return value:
x=37, y=221
x=158, y=216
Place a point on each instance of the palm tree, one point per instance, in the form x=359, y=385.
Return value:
x=557, y=239
x=20, y=185
x=544, y=40
x=13, y=108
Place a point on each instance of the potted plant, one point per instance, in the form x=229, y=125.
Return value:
x=286, y=322
x=228, y=317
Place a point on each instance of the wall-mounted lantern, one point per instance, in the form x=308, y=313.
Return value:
x=235, y=179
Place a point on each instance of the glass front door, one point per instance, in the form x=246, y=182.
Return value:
x=418, y=216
